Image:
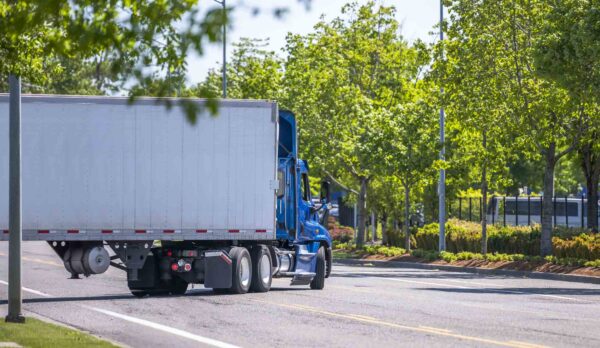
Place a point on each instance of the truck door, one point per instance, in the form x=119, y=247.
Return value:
x=308, y=222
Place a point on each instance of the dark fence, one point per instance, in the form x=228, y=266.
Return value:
x=520, y=210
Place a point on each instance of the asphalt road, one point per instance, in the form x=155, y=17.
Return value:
x=360, y=307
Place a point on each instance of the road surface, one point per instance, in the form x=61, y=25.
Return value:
x=360, y=307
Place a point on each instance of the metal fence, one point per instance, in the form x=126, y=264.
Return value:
x=520, y=210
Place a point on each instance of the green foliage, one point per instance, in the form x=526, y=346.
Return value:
x=398, y=238
x=252, y=73
x=384, y=250
x=35, y=333
x=464, y=236
x=353, y=84
x=137, y=37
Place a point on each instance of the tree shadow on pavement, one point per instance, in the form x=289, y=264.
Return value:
x=520, y=291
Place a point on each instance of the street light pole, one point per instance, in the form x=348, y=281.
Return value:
x=442, y=183
x=14, y=203
x=224, y=49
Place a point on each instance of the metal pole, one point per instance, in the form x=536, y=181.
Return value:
x=528, y=210
x=442, y=184
x=566, y=211
x=14, y=204
x=224, y=49
x=517, y=210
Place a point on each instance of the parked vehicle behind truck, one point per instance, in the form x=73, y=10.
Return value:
x=224, y=202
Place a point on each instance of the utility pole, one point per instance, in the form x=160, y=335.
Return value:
x=222, y=2
x=14, y=203
x=442, y=183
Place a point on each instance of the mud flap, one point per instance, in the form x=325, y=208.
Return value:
x=217, y=270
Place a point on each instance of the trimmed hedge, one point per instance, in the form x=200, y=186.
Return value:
x=464, y=236
x=453, y=257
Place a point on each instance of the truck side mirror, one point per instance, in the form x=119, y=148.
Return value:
x=325, y=195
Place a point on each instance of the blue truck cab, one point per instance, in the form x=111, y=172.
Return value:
x=300, y=222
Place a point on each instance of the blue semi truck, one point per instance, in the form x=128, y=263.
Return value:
x=224, y=202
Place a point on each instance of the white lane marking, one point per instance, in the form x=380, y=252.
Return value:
x=147, y=323
x=39, y=293
x=164, y=328
x=492, y=290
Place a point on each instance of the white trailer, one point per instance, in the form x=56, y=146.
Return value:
x=100, y=168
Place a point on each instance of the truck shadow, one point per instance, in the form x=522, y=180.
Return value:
x=189, y=293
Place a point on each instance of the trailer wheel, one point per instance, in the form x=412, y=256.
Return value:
x=261, y=264
x=318, y=281
x=241, y=270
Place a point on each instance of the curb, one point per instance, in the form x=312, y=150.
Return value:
x=483, y=271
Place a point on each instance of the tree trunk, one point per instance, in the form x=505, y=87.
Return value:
x=547, y=202
x=373, y=227
x=590, y=164
x=384, y=237
x=484, y=187
x=362, y=212
x=406, y=217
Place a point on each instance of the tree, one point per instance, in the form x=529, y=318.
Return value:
x=253, y=73
x=408, y=134
x=550, y=122
x=139, y=36
x=339, y=79
x=482, y=136
x=568, y=53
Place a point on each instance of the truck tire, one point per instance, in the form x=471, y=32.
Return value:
x=241, y=270
x=261, y=265
x=178, y=286
x=318, y=282
x=329, y=262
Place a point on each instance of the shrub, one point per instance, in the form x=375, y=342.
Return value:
x=396, y=238
x=340, y=233
x=383, y=250
x=462, y=236
x=583, y=246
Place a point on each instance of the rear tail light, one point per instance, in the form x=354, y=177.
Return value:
x=174, y=267
x=187, y=267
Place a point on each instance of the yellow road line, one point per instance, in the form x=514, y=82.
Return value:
x=525, y=344
x=45, y=262
x=428, y=330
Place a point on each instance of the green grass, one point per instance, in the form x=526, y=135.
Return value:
x=36, y=333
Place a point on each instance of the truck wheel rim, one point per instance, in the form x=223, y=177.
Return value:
x=265, y=269
x=244, y=272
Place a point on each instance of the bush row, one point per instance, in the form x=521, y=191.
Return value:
x=494, y=257
x=464, y=236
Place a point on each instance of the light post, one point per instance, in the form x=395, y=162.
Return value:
x=442, y=182
x=14, y=201
x=222, y=3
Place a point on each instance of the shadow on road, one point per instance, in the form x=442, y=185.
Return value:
x=521, y=291
x=412, y=274
x=189, y=293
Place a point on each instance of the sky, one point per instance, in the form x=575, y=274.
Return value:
x=417, y=19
